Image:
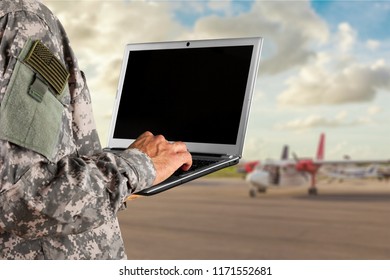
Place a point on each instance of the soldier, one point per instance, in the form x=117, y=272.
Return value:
x=59, y=192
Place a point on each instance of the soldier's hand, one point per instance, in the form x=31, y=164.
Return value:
x=167, y=157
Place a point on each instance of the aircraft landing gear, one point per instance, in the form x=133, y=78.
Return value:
x=254, y=190
x=313, y=188
x=313, y=191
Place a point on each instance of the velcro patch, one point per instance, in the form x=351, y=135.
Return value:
x=46, y=64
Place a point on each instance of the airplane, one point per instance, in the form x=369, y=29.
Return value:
x=353, y=172
x=275, y=173
x=271, y=173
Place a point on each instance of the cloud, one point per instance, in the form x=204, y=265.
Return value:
x=339, y=75
x=286, y=45
x=373, y=44
x=374, y=110
x=345, y=37
x=218, y=5
x=319, y=83
x=318, y=121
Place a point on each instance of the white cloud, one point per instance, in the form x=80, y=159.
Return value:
x=373, y=110
x=219, y=5
x=338, y=75
x=322, y=82
x=373, y=44
x=318, y=121
x=345, y=37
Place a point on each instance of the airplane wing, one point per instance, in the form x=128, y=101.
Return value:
x=346, y=162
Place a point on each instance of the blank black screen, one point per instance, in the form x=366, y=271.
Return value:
x=191, y=95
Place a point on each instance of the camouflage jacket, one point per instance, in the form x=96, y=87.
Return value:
x=59, y=192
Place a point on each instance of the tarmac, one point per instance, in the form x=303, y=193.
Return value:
x=215, y=219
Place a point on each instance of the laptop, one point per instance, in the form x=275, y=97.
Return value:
x=198, y=92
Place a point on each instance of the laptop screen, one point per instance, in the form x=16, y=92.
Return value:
x=191, y=95
x=198, y=92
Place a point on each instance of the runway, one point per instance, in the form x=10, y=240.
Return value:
x=216, y=219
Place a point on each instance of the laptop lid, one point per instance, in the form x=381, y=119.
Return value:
x=198, y=92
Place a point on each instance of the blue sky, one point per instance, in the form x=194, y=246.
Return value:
x=369, y=17
x=325, y=65
x=188, y=17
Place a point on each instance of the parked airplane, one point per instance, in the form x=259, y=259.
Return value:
x=275, y=173
x=296, y=171
x=353, y=172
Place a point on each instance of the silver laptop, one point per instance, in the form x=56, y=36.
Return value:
x=198, y=92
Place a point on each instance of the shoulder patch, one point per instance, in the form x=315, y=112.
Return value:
x=46, y=64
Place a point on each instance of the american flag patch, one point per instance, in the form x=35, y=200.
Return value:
x=42, y=60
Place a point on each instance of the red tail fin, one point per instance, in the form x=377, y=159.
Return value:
x=321, y=147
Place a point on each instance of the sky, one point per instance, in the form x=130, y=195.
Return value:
x=325, y=65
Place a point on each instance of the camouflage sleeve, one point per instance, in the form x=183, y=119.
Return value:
x=73, y=195
x=80, y=187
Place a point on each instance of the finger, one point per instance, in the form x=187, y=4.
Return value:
x=179, y=147
x=160, y=139
x=186, y=167
x=186, y=160
x=146, y=134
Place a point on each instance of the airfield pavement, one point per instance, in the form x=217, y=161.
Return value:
x=216, y=219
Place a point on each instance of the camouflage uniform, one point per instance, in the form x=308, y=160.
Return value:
x=58, y=197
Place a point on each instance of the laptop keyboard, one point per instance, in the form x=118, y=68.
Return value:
x=196, y=164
